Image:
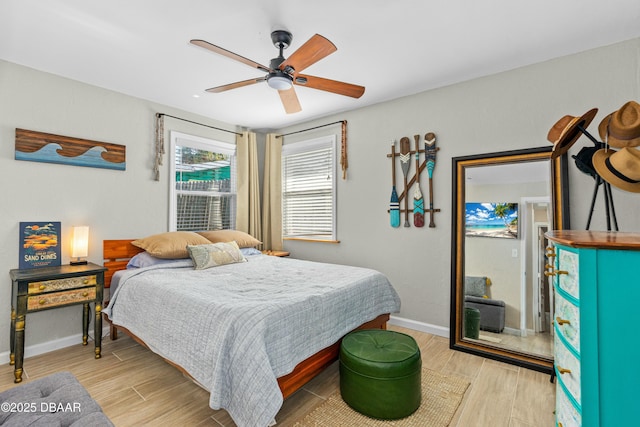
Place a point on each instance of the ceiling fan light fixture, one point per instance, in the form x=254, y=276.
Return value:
x=279, y=81
x=282, y=74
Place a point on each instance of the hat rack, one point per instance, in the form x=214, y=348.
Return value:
x=610, y=211
x=619, y=167
x=410, y=159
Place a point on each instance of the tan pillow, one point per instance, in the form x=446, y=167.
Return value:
x=215, y=254
x=243, y=239
x=170, y=245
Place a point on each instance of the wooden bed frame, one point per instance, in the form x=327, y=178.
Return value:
x=116, y=254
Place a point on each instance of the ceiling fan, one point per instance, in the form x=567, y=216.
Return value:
x=283, y=73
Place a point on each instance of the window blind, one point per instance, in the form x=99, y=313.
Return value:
x=203, y=180
x=308, y=194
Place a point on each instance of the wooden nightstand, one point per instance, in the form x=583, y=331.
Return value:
x=275, y=253
x=47, y=288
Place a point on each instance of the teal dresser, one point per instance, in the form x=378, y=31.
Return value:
x=596, y=278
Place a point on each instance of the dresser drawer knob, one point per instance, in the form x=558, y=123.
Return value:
x=43, y=287
x=549, y=271
x=561, y=321
x=42, y=301
x=84, y=294
x=85, y=281
x=564, y=370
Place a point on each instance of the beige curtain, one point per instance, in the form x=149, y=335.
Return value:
x=272, y=193
x=248, y=206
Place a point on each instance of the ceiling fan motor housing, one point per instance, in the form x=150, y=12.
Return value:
x=275, y=63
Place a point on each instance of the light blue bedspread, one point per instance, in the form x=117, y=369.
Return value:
x=238, y=327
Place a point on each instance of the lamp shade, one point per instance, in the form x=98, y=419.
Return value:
x=80, y=242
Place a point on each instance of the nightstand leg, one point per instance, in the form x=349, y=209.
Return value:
x=98, y=329
x=85, y=323
x=19, y=348
x=12, y=338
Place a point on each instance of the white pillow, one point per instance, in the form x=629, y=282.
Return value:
x=215, y=254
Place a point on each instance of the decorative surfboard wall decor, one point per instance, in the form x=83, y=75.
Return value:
x=48, y=148
x=404, y=155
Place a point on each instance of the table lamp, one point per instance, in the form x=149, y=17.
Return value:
x=79, y=245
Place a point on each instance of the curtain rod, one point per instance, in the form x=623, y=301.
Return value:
x=305, y=130
x=196, y=123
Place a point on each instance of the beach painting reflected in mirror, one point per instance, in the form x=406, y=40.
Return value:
x=491, y=220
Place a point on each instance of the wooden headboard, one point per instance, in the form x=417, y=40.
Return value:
x=116, y=254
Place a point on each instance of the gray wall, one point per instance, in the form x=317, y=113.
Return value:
x=501, y=112
x=506, y=111
x=114, y=204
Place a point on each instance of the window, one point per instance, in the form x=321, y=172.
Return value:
x=203, y=184
x=309, y=189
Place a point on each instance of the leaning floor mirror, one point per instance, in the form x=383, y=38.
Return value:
x=501, y=301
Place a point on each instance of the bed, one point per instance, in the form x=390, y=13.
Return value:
x=251, y=333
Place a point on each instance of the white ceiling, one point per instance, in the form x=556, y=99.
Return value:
x=393, y=48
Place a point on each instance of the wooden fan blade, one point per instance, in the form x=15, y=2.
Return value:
x=341, y=88
x=229, y=54
x=235, y=85
x=316, y=48
x=290, y=100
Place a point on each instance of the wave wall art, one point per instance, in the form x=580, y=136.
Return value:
x=48, y=148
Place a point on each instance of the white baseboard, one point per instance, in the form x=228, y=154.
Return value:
x=57, y=344
x=440, y=331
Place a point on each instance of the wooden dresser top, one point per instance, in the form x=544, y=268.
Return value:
x=596, y=239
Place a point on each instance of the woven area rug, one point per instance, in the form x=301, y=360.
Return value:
x=441, y=396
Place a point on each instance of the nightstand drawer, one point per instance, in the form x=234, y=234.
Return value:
x=56, y=299
x=61, y=284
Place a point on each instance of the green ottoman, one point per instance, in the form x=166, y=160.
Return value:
x=380, y=373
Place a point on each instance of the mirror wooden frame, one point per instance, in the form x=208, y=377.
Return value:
x=560, y=208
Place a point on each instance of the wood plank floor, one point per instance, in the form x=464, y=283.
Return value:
x=540, y=343
x=135, y=387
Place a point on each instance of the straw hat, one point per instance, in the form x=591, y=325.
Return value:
x=622, y=127
x=619, y=168
x=565, y=132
